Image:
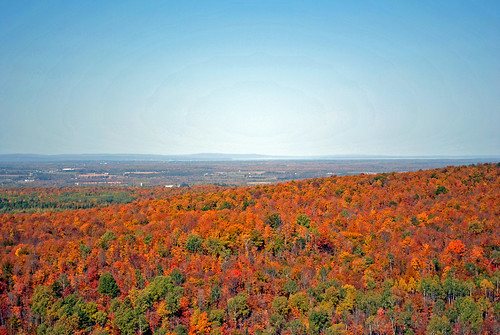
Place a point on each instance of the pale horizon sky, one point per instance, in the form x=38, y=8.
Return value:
x=294, y=78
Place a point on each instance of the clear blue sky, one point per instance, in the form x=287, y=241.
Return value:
x=267, y=77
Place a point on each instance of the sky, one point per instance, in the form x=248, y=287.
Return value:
x=295, y=78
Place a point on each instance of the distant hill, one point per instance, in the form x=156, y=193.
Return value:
x=127, y=157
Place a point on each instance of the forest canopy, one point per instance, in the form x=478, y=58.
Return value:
x=404, y=253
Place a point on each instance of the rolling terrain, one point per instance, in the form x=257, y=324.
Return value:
x=202, y=169
x=408, y=253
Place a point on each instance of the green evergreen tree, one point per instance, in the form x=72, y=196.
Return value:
x=107, y=285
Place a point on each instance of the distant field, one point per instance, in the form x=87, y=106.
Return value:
x=189, y=173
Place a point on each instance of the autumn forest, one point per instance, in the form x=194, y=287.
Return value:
x=391, y=253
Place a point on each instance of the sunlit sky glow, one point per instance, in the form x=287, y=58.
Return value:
x=266, y=77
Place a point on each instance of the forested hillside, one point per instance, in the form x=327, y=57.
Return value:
x=404, y=253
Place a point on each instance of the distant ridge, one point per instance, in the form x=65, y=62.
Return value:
x=128, y=157
x=217, y=157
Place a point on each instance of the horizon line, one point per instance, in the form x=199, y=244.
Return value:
x=222, y=156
